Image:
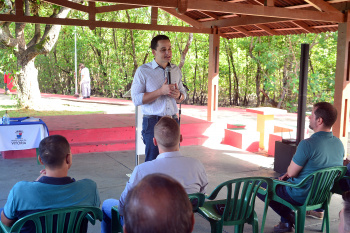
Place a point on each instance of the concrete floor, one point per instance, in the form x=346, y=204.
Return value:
x=109, y=170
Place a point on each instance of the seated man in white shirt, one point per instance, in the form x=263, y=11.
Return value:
x=189, y=172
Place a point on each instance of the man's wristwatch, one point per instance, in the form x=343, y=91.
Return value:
x=180, y=96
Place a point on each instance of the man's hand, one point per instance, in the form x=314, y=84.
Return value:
x=42, y=173
x=175, y=92
x=167, y=89
x=284, y=177
x=346, y=162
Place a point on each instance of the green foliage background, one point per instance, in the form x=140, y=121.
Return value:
x=253, y=71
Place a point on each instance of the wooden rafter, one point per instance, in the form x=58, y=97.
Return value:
x=309, y=5
x=104, y=24
x=210, y=14
x=72, y=5
x=269, y=3
x=304, y=26
x=267, y=29
x=237, y=8
x=118, y=7
x=322, y=5
x=154, y=16
x=239, y=21
x=181, y=6
x=242, y=30
x=184, y=18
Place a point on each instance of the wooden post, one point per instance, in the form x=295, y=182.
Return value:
x=213, y=74
x=342, y=88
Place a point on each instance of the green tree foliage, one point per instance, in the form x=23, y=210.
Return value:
x=253, y=71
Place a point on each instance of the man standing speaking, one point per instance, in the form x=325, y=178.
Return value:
x=157, y=86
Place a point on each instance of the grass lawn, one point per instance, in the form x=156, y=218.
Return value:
x=32, y=113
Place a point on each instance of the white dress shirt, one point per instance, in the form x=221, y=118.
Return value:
x=189, y=172
x=150, y=77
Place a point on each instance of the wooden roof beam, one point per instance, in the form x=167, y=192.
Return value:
x=181, y=6
x=154, y=15
x=322, y=5
x=242, y=30
x=256, y=10
x=69, y=4
x=210, y=14
x=240, y=21
x=118, y=7
x=304, y=26
x=269, y=3
x=104, y=24
x=267, y=29
x=237, y=8
x=184, y=18
x=309, y=5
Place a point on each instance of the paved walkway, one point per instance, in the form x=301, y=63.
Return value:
x=109, y=169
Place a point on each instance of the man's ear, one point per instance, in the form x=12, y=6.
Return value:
x=69, y=160
x=181, y=138
x=153, y=52
x=155, y=142
x=319, y=121
x=40, y=161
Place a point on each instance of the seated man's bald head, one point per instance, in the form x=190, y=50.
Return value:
x=158, y=204
x=167, y=132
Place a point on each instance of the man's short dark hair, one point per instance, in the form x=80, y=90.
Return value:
x=327, y=112
x=53, y=150
x=154, y=42
x=159, y=204
x=346, y=198
x=167, y=132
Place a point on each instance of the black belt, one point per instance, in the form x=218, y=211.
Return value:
x=158, y=117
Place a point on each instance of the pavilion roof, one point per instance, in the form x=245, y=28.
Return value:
x=232, y=18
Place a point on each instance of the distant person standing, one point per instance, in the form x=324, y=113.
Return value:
x=84, y=81
x=156, y=91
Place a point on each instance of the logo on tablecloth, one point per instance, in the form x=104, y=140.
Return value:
x=19, y=140
x=19, y=134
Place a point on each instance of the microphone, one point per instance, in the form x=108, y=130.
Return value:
x=168, y=70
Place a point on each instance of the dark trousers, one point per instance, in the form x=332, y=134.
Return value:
x=149, y=121
x=279, y=208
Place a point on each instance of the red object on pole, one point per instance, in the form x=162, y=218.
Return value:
x=6, y=78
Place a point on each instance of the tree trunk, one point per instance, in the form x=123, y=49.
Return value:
x=28, y=86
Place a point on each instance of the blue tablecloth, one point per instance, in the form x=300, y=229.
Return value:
x=22, y=133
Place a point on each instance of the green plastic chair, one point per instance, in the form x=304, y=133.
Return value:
x=319, y=195
x=116, y=226
x=76, y=216
x=197, y=199
x=239, y=204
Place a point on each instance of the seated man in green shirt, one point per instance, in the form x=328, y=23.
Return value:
x=320, y=151
x=52, y=189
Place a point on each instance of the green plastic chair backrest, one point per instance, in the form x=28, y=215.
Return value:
x=322, y=182
x=73, y=222
x=197, y=200
x=240, y=199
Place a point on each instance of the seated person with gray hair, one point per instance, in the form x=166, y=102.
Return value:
x=158, y=203
x=189, y=172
